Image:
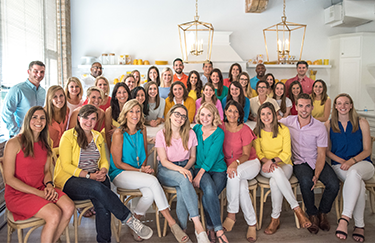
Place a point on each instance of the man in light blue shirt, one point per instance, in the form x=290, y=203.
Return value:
x=21, y=97
x=260, y=69
x=207, y=69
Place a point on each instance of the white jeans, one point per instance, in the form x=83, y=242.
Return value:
x=354, y=189
x=280, y=186
x=148, y=185
x=238, y=190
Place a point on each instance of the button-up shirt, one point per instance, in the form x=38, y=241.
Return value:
x=204, y=80
x=20, y=98
x=306, y=139
x=306, y=83
x=183, y=79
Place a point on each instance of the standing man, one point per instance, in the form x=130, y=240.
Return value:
x=178, y=67
x=21, y=97
x=260, y=69
x=306, y=82
x=95, y=71
x=309, y=144
x=207, y=68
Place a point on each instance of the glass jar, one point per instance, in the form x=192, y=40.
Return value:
x=112, y=60
x=105, y=59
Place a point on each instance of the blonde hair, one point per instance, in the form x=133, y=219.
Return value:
x=136, y=71
x=50, y=107
x=353, y=115
x=184, y=130
x=209, y=106
x=122, y=120
x=166, y=69
x=249, y=90
x=106, y=80
x=74, y=80
x=94, y=88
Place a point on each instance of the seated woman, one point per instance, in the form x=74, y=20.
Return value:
x=256, y=102
x=236, y=94
x=322, y=103
x=137, y=77
x=129, y=80
x=234, y=71
x=284, y=102
x=29, y=189
x=273, y=149
x=120, y=95
x=295, y=89
x=179, y=95
x=245, y=83
x=216, y=78
x=194, y=85
x=165, y=82
x=73, y=92
x=81, y=172
x=57, y=112
x=349, y=151
x=95, y=98
x=156, y=105
x=210, y=169
x=176, y=147
x=243, y=165
x=139, y=93
x=153, y=75
x=128, y=166
x=271, y=84
x=103, y=84
x=209, y=96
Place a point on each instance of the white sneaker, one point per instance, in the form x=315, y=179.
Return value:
x=202, y=237
x=140, y=229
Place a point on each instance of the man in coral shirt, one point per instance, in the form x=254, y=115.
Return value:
x=306, y=82
x=178, y=67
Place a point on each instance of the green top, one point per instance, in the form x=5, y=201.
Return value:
x=210, y=156
x=223, y=94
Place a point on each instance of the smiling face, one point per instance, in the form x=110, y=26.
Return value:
x=121, y=95
x=244, y=81
x=94, y=99
x=232, y=114
x=36, y=74
x=279, y=90
x=178, y=91
x=296, y=90
x=102, y=84
x=178, y=67
x=134, y=115
x=270, y=80
x=152, y=91
x=235, y=72
x=38, y=121
x=58, y=99
x=215, y=78
x=137, y=77
x=262, y=89
x=74, y=89
x=152, y=75
x=266, y=116
x=318, y=88
x=206, y=117
x=208, y=92
x=234, y=91
x=193, y=79
x=301, y=69
x=88, y=123
x=343, y=105
x=96, y=70
x=260, y=70
x=207, y=69
x=304, y=108
x=130, y=82
x=141, y=96
x=178, y=117
x=167, y=77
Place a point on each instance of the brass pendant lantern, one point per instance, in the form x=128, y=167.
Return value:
x=283, y=38
x=191, y=40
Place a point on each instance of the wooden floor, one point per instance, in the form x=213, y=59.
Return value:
x=287, y=232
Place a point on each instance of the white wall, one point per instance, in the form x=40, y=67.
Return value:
x=147, y=29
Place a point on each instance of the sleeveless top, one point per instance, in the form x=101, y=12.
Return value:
x=318, y=110
x=346, y=144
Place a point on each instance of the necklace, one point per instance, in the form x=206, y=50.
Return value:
x=135, y=145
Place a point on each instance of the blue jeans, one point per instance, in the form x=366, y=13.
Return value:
x=304, y=174
x=187, y=199
x=105, y=202
x=212, y=184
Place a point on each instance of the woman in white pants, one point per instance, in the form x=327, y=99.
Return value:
x=243, y=165
x=128, y=167
x=273, y=148
x=350, y=150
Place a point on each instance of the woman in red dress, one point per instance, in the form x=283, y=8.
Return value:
x=29, y=188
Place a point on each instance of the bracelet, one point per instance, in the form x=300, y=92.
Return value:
x=49, y=182
x=355, y=161
x=140, y=169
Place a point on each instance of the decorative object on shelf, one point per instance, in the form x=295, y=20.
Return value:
x=105, y=60
x=255, y=6
x=283, y=37
x=191, y=39
x=313, y=74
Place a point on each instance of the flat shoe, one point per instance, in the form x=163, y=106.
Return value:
x=251, y=235
x=228, y=224
x=179, y=234
x=202, y=237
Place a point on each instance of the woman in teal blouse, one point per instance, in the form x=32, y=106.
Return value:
x=210, y=168
x=216, y=78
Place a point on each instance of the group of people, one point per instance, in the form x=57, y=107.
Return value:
x=293, y=134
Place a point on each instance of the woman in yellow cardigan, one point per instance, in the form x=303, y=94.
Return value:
x=273, y=148
x=81, y=172
x=179, y=95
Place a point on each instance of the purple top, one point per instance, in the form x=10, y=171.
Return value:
x=306, y=140
x=218, y=106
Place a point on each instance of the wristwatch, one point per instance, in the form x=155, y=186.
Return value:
x=238, y=162
x=88, y=175
x=273, y=160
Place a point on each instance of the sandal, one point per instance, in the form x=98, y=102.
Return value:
x=220, y=238
x=87, y=214
x=179, y=234
x=358, y=235
x=342, y=232
x=228, y=224
x=92, y=210
x=251, y=234
x=211, y=236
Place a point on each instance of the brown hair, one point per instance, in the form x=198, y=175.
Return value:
x=221, y=81
x=353, y=115
x=171, y=95
x=214, y=98
x=84, y=112
x=283, y=97
x=291, y=96
x=184, y=130
x=260, y=125
x=324, y=93
x=50, y=107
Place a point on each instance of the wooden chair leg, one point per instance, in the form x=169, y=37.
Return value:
x=67, y=236
x=75, y=224
x=255, y=204
x=10, y=231
x=157, y=220
x=295, y=216
x=20, y=235
x=260, y=221
x=372, y=202
x=200, y=202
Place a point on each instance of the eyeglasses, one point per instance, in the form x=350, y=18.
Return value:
x=262, y=87
x=96, y=68
x=178, y=115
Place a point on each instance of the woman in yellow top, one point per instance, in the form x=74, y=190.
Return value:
x=81, y=172
x=273, y=148
x=322, y=103
x=179, y=95
x=245, y=83
x=194, y=85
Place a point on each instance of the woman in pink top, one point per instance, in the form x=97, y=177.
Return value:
x=234, y=74
x=210, y=97
x=176, y=146
x=243, y=165
x=57, y=112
